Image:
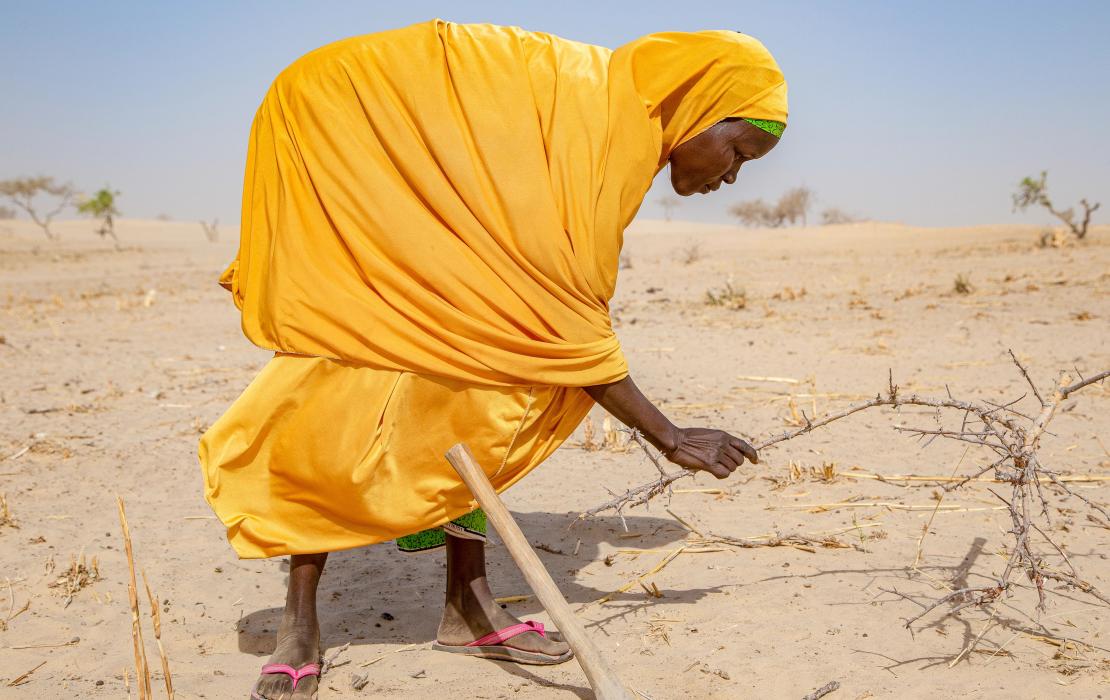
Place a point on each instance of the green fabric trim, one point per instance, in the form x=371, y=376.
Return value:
x=771, y=127
x=473, y=522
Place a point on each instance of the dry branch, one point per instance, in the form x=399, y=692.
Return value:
x=1013, y=437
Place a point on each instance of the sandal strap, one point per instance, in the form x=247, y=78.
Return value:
x=503, y=635
x=296, y=674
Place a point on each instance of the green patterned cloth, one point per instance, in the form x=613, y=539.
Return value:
x=771, y=127
x=471, y=526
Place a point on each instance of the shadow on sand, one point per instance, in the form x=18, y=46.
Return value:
x=377, y=595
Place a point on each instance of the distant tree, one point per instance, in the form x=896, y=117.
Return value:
x=211, y=230
x=1034, y=191
x=669, y=204
x=102, y=205
x=794, y=204
x=756, y=212
x=832, y=216
x=22, y=192
x=7, y=213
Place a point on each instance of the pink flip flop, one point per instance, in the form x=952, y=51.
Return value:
x=295, y=673
x=492, y=646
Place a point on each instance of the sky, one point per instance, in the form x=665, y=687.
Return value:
x=924, y=113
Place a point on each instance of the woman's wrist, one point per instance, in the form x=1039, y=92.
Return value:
x=666, y=440
x=627, y=404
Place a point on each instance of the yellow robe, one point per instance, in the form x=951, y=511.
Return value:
x=432, y=220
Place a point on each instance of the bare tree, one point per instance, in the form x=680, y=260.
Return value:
x=22, y=192
x=833, y=216
x=669, y=204
x=794, y=204
x=756, y=213
x=211, y=230
x=1034, y=191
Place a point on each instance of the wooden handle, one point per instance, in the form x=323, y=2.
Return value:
x=605, y=683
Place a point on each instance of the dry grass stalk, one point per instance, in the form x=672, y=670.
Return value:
x=636, y=581
x=610, y=438
x=928, y=480
x=12, y=612
x=805, y=543
x=929, y=523
x=728, y=297
x=22, y=678
x=376, y=659
x=778, y=380
x=156, y=618
x=891, y=505
x=6, y=519
x=142, y=671
x=79, y=574
x=590, y=442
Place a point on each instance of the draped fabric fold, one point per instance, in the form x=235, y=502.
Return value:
x=432, y=221
x=450, y=199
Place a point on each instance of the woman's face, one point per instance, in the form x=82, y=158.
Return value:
x=714, y=156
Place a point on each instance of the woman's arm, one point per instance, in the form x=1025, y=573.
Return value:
x=714, y=451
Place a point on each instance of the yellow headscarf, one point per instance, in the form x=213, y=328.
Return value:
x=450, y=199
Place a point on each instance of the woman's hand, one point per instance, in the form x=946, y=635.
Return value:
x=714, y=451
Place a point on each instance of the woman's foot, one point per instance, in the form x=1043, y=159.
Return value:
x=298, y=644
x=470, y=611
x=464, y=622
x=298, y=637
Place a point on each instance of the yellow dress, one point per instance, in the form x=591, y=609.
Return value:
x=432, y=220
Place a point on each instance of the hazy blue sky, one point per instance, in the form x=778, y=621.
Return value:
x=923, y=112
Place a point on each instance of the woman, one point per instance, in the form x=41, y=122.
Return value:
x=432, y=219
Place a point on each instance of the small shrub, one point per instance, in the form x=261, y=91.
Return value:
x=833, y=216
x=729, y=297
x=963, y=285
x=102, y=205
x=690, y=254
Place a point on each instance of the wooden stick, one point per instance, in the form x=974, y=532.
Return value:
x=605, y=683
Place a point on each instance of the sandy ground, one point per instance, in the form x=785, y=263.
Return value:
x=112, y=363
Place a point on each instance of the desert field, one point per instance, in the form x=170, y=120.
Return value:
x=112, y=362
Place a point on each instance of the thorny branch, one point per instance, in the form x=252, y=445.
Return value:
x=1013, y=436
